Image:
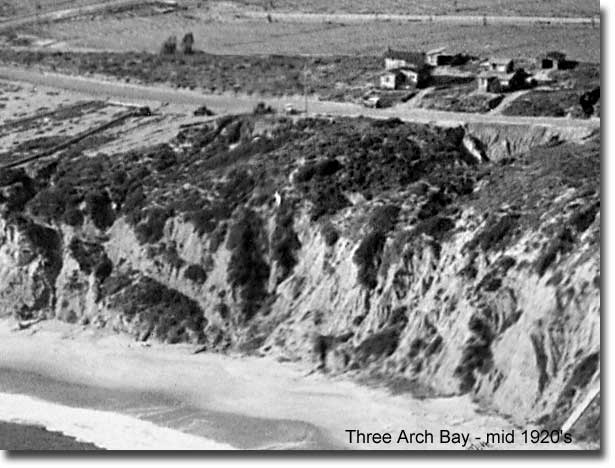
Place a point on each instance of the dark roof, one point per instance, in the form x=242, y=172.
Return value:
x=504, y=76
x=500, y=60
x=438, y=51
x=396, y=72
x=554, y=55
x=410, y=57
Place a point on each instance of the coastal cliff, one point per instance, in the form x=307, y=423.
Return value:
x=438, y=260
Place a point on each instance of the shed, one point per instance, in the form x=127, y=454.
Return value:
x=489, y=83
x=392, y=80
x=556, y=61
x=493, y=82
x=415, y=78
x=437, y=57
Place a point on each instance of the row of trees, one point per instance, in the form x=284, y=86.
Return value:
x=170, y=45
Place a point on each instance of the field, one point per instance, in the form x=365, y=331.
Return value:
x=27, y=7
x=436, y=7
x=260, y=37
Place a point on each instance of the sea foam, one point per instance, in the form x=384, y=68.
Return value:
x=105, y=429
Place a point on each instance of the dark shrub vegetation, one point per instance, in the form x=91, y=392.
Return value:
x=195, y=273
x=16, y=189
x=91, y=257
x=495, y=233
x=383, y=218
x=151, y=229
x=167, y=314
x=367, y=258
x=477, y=355
x=380, y=344
x=560, y=244
x=99, y=209
x=284, y=241
x=368, y=255
x=330, y=234
x=247, y=269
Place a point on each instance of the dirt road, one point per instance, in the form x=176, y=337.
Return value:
x=238, y=103
x=450, y=19
x=67, y=13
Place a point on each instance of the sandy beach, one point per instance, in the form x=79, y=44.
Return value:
x=244, y=387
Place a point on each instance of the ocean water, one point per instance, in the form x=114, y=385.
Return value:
x=24, y=437
x=135, y=420
x=105, y=429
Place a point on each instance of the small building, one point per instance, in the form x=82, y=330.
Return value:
x=556, y=61
x=500, y=65
x=416, y=78
x=392, y=80
x=405, y=78
x=515, y=80
x=437, y=57
x=396, y=59
x=491, y=82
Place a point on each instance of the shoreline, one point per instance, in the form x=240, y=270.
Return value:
x=25, y=437
x=246, y=387
x=84, y=412
x=96, y=429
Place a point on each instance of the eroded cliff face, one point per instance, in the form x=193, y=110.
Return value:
x=376, y=249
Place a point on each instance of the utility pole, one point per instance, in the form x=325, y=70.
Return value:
x=38, y=13
x=305, y=77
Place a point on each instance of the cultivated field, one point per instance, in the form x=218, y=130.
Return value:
x=259, y=37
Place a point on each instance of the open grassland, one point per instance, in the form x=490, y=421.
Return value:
x=434, y=7
x=260, y=37
x=10, y=8
x=566, y=8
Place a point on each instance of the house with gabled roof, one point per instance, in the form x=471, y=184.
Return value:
x=395, y=59
x=404, y=70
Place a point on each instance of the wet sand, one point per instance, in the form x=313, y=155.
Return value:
x=242, y=432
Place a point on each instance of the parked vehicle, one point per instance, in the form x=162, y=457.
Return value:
x=372, y=101
x=291, y=110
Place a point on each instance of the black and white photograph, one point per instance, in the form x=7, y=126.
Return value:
x=302, y=226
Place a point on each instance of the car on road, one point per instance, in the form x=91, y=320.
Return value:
x=291, y=110
x=372, y=101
